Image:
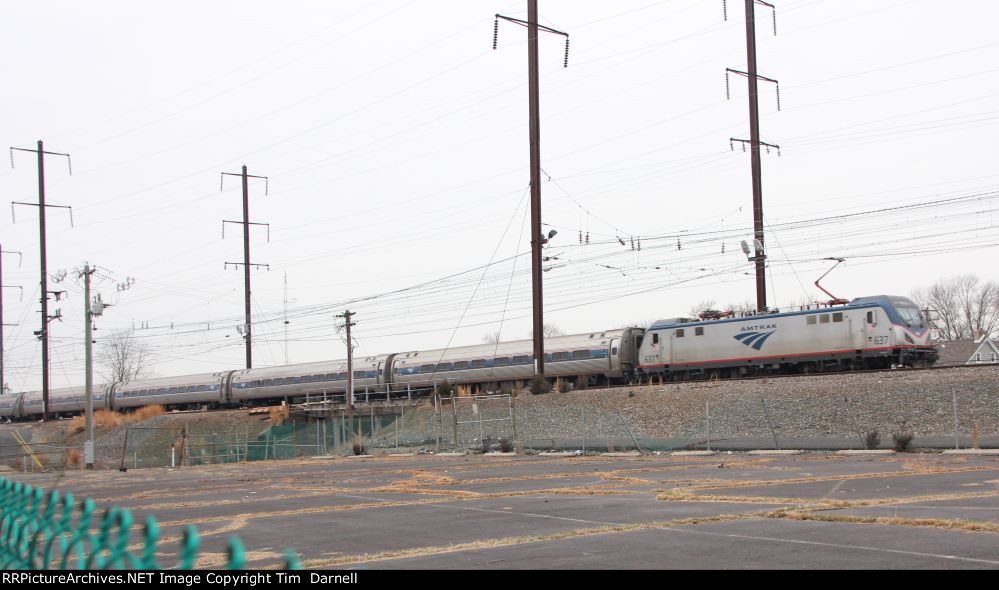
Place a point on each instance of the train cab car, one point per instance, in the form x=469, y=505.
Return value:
x=171, y=392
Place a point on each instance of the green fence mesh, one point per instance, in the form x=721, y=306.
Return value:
x=40, y=531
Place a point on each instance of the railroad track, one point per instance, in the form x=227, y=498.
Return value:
x=813, y=374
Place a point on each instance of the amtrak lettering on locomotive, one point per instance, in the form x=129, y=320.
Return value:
x=869, y=332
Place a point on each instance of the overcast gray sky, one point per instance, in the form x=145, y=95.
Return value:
x=395, y=140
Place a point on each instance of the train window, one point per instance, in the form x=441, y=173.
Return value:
x=655, y=339
x=838, y=316
x=870, y=317
x=359, y=374
x=458, y=366
x=810, y=320
x=560, y=356
x=441, y=367
x=296, y=380
x=580, y=354
x=522, y=360
x=698, y=331
x=427, y=369
x=824, y=318
x=501, y=361
x=478, y=363
x=679, y=333
x=614, y=351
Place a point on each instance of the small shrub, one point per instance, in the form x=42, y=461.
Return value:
x=277, y=414
x=444, y=389
x=540, y=385
x=506, y=445
x=487, y=444
x=73, y=458
x=358, y=446
x=901, y=441
x=872, y=440
x=464, y=390
x=631, y=394
x=562, y=386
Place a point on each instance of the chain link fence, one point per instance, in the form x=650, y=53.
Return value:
x=782, y=414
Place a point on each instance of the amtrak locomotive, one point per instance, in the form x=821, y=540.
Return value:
x=869, y=332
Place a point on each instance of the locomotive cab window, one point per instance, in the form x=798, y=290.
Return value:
x=810, y=320
x=655, y=339
x=679, y=333
x=838, y=316
x=698, y=331
x=824, y=318
x=870, y=317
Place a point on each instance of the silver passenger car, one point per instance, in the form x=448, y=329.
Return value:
x=310, y=378
x=68, y=400
x=596, y=356
x=205, y=388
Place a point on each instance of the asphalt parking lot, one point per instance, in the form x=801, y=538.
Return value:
x=815, y=510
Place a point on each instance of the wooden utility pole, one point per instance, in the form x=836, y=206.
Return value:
x=346, y=315
x=759, y=258
x=92, y=308
x=537, y=238
x=43, y=334
x=247, y=326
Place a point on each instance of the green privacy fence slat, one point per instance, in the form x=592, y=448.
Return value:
x=41, y=530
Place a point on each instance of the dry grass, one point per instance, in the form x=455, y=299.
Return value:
x=509, y=541
x=107, y=419
x=464, y=390
x=277, y=414
x=73, y=458
x=941, y=523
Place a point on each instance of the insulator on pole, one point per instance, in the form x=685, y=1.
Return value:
x=495, y=31
x=565, y=63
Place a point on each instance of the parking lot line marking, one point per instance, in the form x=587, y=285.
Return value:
x=835, y=545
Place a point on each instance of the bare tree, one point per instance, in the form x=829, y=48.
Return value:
x=961, y=307
x=123, y=357
x=741, y=308
x=491, y=338
x=701, y=307
x=548, y=330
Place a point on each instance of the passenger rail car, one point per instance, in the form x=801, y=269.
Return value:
x=869, y=332
x=206, y=388
x=326, y=377
x=587, y=359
